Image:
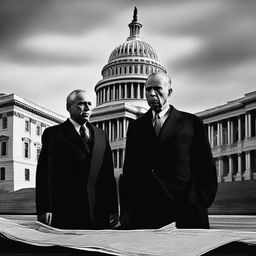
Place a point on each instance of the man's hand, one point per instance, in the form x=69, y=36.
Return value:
x=113, y=219
x=45, y=218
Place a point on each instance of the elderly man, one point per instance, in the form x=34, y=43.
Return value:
x=75, y=184
x=169, y=173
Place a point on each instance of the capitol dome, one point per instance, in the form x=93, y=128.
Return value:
x=133, y=48
x=127, y=69
x=121, y=94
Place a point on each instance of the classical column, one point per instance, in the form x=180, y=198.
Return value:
x=132, y=91
x=239, y=129
x=220, y=169
x=104, y=95
x=246, y=125
x=118, y=130
x=123, y=154
x=108, y=93
x=99, y=96
x=124, y=127
x=247, y=173
x=138, y=91
x=114, y=92
x=212, y=134
x=249, y=125
x=218, y=134
x=117, y=158
x=125, y=90
x=229, y=133
x=103, y=125
x=221, y=133
x=110, y=130
x=239, y=175
x=230, y=169
x=120, y=91
x=209, y=133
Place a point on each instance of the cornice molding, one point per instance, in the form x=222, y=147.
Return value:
x=31, y=109
x=116, y=111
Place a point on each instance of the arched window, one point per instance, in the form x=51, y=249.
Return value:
x=27, y=126
x=2, y=173
x=27, y=174
x=141, y=69
x=4, y=123
x=38, y=130
x=3, y=148
x=136, y=69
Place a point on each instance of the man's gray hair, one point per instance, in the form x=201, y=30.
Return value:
x=71, y=97
x=161, y=74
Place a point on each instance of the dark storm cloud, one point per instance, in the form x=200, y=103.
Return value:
x=25, y=56
x=21, y=19
x=226, y=35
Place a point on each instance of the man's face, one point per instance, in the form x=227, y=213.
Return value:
x=81, y=108
x=157, y=92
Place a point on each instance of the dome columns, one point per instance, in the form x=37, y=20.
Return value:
x=121, y=91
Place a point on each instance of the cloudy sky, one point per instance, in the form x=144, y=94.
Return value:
x=50, y=47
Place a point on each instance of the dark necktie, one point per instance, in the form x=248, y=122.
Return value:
x=83, y=134
x=157, y=124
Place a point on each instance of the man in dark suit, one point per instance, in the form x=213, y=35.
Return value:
x=75, y=184
x=169, y=173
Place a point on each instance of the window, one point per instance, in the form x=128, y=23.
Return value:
x=2, y=173
x=38, y=130
x=26, y=149
x=27, y=174
x=4, y=148
x=4, y=123
x=27, y=126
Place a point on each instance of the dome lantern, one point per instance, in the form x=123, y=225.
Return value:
x=134, y=26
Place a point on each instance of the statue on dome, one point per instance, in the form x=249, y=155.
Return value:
x=135, y=13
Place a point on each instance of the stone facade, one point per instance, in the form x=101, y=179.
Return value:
x=231, y=130
x=22, y=123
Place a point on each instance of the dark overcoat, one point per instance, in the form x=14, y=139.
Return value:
x=75, y=181
x=169, y=178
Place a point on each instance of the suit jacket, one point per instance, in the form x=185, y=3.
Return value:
x=73, y=181
x=169, y=178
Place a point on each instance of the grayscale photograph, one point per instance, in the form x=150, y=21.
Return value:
x=127, y=127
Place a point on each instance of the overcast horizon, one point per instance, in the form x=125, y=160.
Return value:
x=49, y=48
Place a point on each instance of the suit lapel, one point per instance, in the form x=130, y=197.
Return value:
x=170, y=126
x=97, y=157
x=150, y=132
x=71, y=134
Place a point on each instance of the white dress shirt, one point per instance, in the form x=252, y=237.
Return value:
x=163, y=115
x=77, y=127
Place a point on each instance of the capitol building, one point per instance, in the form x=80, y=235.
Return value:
x=120, y=98
x=120, y=95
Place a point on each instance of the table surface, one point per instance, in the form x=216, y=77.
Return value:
x=11, y=248
x=245, y=223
